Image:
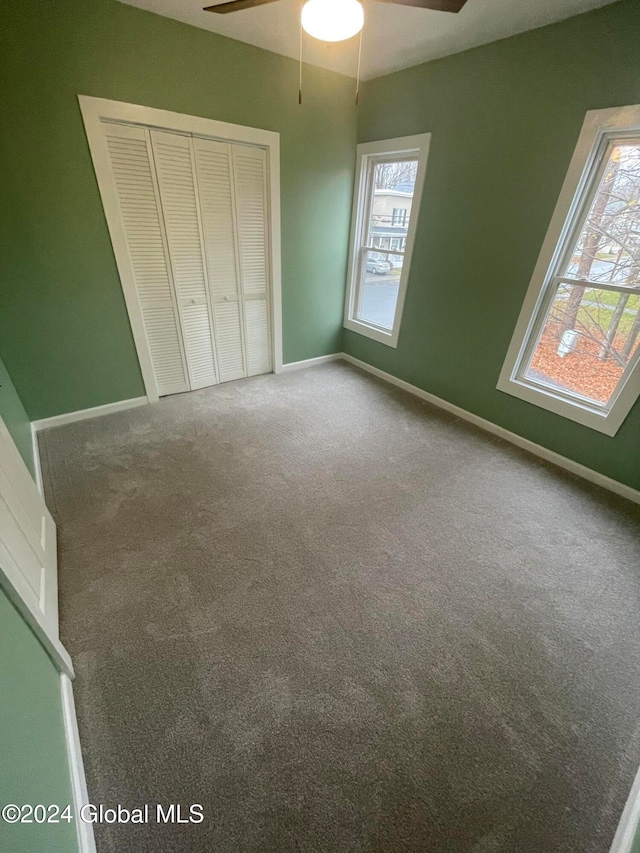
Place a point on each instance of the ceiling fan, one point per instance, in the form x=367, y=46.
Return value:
x=334, y=20
x=438, y=5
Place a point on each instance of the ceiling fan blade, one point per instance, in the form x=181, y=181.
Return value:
x=438, y=5
x=236, y=6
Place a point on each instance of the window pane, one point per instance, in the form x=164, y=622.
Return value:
x=608, y=249
x=379, y=282
x=588, y=338
x=393, y=186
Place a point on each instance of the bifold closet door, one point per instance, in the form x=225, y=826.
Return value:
x=215, y=184
x=194, y=215
x=232, y=187
x=250, y=190
x=175, y=167
x=141, y=219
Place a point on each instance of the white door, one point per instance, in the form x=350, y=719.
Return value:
x=28, y=561
x=233, y=200
x=179, y=203
x=193, y=212
x=140, y=220
x=250, y=184
x=217, y=204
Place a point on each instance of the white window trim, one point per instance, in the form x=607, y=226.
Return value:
x=597, y=125
x=418, y=146
x=96, y=109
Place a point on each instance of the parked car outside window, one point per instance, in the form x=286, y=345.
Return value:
x=378, y=264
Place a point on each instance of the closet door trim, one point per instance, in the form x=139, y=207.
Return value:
x=95, y=111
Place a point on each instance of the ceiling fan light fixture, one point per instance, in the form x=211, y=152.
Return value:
x=332, y=20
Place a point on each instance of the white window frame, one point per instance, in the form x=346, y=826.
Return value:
x=580, y=184
x=407, y=146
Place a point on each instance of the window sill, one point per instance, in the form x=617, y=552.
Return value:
x=388, y=338
x=607, y=422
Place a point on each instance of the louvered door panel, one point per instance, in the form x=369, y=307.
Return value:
x=228, y=340
x=195, y=318
x=249, y=177
x=164, y=342
x=178, y=193
x=214, y=184
x=258, y=344
x=131, y=167
x=213, y=160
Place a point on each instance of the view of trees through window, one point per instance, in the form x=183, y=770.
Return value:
x=592, y=328
x=393, y=187
x=390, y=176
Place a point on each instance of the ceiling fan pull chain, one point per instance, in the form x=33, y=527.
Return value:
x=300, y=79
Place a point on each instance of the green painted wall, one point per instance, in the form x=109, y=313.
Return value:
x=505, y=119
x=33, y=753
x=63, y=324
x=13, y=414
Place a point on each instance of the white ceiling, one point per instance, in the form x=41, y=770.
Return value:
x=394, y=36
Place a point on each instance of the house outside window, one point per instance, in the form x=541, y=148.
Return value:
x=399, y=216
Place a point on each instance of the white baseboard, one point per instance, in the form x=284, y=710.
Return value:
x=311, y=362
x=537, y=449
x=36, y=459
x=86, y=839
x=524, y=443
x=85, y=414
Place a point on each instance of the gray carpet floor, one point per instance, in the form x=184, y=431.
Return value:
x=342, y=620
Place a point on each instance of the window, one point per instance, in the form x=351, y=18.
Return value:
x=389, y=179
x=576, y=348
